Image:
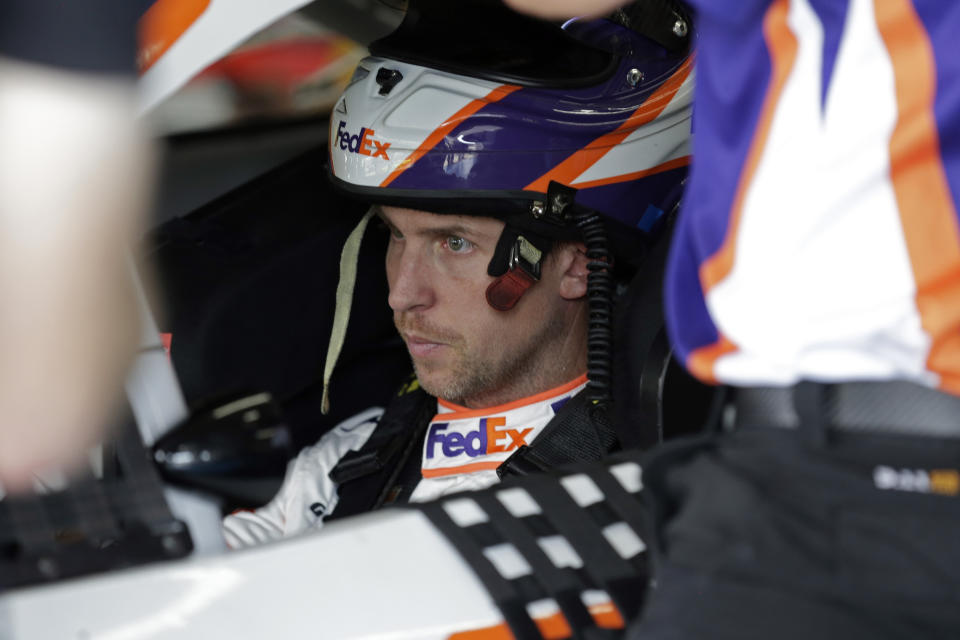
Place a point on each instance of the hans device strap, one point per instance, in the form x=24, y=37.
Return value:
x=386, y=469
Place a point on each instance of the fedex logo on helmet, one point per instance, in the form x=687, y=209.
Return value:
x=489, y=437
x=362, y=143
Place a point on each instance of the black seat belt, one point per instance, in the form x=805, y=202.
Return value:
x=365, y=478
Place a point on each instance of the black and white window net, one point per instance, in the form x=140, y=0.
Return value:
x=561, y=554
x=111, y=514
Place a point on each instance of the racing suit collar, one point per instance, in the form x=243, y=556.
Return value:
x=445, y=407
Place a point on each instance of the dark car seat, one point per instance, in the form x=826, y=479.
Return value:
x=655, y=399
x=247, y=293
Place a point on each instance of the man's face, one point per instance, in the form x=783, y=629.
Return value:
x=462, y=349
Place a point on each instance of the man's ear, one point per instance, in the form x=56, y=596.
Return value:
x=573, y=279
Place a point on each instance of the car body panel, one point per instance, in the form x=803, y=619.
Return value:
x=384, y=575
x=175, y=50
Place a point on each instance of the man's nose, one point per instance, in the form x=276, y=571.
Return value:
x=409, y=277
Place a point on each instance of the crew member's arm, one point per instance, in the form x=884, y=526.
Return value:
x=307, y=494
x=74, y=168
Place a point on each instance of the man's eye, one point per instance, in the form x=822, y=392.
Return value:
x=456, y=244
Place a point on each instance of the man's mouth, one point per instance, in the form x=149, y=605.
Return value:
x=422, y=346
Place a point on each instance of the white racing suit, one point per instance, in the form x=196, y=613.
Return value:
x=462, y=450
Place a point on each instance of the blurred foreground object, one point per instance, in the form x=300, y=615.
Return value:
x=564, y=8
x=74, y=176
x=294, y=68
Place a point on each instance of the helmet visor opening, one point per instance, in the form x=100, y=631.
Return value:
x=485, y=39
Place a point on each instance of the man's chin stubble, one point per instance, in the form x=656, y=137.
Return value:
x=456, y=383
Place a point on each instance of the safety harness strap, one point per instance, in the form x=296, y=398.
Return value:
x=341, y=314
x=580, y=432
x=512, y=534
x=387, y=468
x=365, y=477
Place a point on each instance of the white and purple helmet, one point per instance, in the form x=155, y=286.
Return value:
x=471, y=108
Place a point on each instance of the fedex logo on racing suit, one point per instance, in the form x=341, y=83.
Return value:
x=362, y=143
x=489, y=437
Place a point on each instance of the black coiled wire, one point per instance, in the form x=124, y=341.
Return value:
x=600, y=289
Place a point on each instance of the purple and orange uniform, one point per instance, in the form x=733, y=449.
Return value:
x=819, y=238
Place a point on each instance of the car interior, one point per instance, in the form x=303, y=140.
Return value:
x=245, y=254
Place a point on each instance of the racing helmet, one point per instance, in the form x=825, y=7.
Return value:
x=471, y=108
x=579, y=131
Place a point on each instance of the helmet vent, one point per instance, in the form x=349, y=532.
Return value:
x=388, y=79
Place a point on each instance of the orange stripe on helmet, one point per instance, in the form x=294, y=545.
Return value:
x=163, y=24
x=676, y=163
x=448, y=125
x=782, y=44
x=928, y=214
x=574, y=166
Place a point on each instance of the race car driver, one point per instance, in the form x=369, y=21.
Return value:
x=509, y=181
